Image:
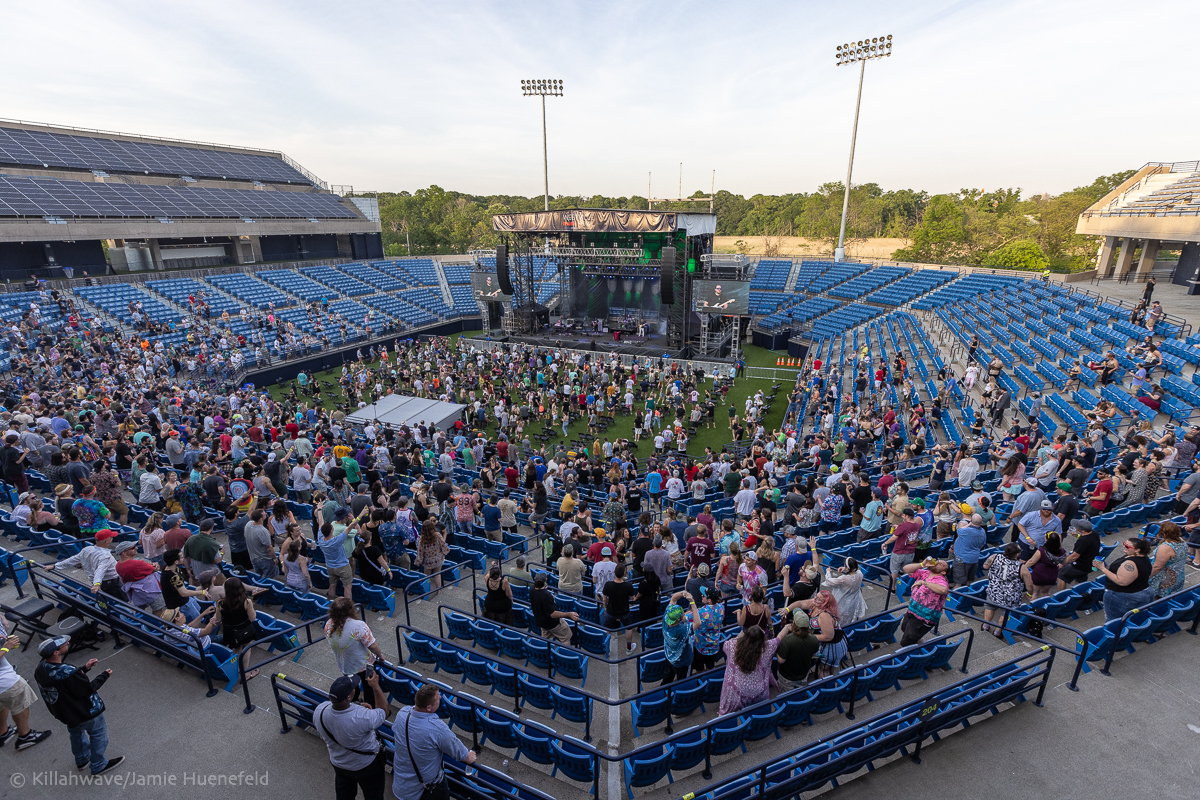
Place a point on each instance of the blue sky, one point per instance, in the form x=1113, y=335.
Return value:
x=1039, y=94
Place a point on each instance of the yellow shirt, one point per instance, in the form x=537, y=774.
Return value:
x=568, y=505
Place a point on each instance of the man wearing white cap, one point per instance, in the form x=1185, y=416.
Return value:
x=72, y=700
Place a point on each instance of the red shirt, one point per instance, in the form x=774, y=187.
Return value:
x=293, y=429
x=885, y=482
x=700, y=551
x=1103, y=489
x=510, y=477
x=255, y=434
x=817, y=364
x=502, y=450
x=906, y=534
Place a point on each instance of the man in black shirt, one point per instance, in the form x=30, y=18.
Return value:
x=442, y=489
x=1067, y=506
x=551, y=621
x=633, y=498
x=1078, y=476
x=616, y=599
x=1078, y=565
x=642, y=545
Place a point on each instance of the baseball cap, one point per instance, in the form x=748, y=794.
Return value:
x=750, y=554
x=123, y=546
x=46, y=648
x=105, y=535
x=674, y=614
x=1081, y=525
x=800, y=619
x=342, y=689
x=1047, y=504
x=976, y=484
x=606, y=551
x=1032, y=481
x=1064, y=485
x=702, y=570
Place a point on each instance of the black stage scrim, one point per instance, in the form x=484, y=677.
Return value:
x=591, y=220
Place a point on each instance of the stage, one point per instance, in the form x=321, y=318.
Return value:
x=653, y=345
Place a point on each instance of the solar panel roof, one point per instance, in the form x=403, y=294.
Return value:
x=46, y=149
x=45, y=197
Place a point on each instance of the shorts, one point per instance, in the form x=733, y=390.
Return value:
x=17, y=697
x=613, y=623
x=1072, y=574
x=561, y=632
x=118, y=507
x=345, y=573
x=898, y=562
x=964, y=573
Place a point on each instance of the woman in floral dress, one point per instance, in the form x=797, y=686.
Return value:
x=1170, y=557
x=748, y=677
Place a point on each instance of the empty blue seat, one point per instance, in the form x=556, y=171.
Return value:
x=729, y=736
x=445, y=659
x=535, y=691
x=648, y=769
x=570, y=705
x=459, y=627
x=687, y=697
x=569, y=664
x=537, y=653
x=511, y=644
x=496, y=729
x=533, y=742
x=764, y=722
x=572, y=760
x=420, y=648
x=649, y=711
x=689, y=748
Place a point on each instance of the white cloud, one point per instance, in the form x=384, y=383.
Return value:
x=1042, y=95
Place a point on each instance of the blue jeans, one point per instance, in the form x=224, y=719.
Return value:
x=88, y=742
x=1118, y=604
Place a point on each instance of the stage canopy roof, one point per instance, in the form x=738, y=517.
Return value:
x=397, y=409
x=603, y=220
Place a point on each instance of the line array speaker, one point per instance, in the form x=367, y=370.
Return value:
x=502, y=276
x=667, y=290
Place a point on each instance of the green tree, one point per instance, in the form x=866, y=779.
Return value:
x=1023, y=254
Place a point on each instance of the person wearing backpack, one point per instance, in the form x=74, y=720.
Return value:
x=349, y=732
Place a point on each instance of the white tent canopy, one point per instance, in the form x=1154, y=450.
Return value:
x=397, y=409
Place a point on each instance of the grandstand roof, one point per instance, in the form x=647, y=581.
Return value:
x=397, y=410
x=1159, y=201
x=47, y=146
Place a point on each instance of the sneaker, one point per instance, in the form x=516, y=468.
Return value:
x=8, y=734
x=113, y=763
x=630, y=647
x=32, y=738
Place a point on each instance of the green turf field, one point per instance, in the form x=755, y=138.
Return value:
x=622, y=427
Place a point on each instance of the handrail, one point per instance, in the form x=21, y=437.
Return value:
x=1080, y=657
x=926, y=710
x=243, y=669
x=426, y=595
x=672, y=736
x=1190, y=590
x=101, y=613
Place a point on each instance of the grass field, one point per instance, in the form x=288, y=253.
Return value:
x=622, y=427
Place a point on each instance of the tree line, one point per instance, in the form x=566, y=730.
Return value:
x=975, y=227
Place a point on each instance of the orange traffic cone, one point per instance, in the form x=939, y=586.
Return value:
x=779, y=362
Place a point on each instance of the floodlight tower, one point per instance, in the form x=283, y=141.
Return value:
x=861, y=51
x=543, y=89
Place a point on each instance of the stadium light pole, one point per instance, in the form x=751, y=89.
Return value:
x=543, y=89
x=850, y=53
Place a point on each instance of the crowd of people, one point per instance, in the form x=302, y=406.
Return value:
x=108, y=423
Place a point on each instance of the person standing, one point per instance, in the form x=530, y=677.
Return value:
x=927, y=599
x=1127, y=581
x=348, y=729
x=422, y=739
x=1148, y=292
x=73, y=700
x=98, y=564
x=16, y=698
x=354, y=647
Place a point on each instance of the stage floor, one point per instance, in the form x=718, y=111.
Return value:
x=653, y=345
